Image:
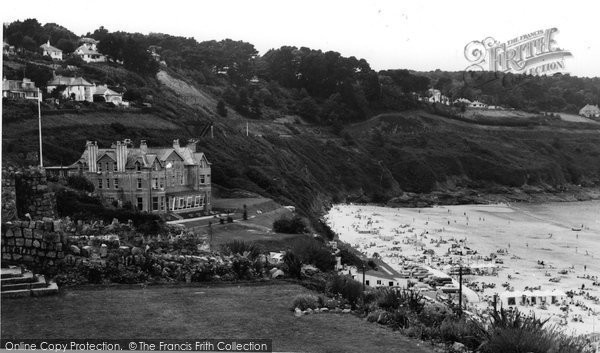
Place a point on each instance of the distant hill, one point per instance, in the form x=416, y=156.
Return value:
x=334, y=133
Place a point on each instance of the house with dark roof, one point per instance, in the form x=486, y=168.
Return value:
x=590, y=111
x=25, y=89
x=51, y=51
x=75, y=88
x=162, y=179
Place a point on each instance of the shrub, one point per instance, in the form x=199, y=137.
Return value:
x=434, y=314
x=388, y=299
x=460, y=330
x=293, y=264
x=515, y=332
x=233, y=247
x=290, y=226
x=305, y=301
x=80, y=183
x=345, y=287
x=311, y=251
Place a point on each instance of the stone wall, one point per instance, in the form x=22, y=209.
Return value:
x=9, y=196
x=33, y=242
x=25, y=191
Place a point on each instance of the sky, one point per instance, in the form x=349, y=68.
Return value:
x=416, y=35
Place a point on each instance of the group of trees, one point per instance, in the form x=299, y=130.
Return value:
x=30, y=34
x=326, y=87
x=559, y=92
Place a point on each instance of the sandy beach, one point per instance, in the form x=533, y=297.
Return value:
x=552, y=246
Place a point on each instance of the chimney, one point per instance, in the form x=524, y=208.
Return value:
x=176, y=144
x=121, y=152
x=92, y=150
x=192, y=144
x=143, y=146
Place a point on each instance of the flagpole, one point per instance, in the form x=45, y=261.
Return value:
x=40, y=127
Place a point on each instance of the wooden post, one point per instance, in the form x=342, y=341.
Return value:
x=460, y=290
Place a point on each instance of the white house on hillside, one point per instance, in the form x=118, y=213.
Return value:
x=75, y=88
x=478, y=104
x=88, y=52
x=590, y=111
x=51, y=51
x=105, y=94
x=384, y=276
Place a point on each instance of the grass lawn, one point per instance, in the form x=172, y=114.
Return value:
x=271, y=241
x=260, y=311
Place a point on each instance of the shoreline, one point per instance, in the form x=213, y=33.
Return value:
x=523, y=233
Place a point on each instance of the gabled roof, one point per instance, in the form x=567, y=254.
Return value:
x=105, y=91
x=68, y=81
x=49, y=48
x=590, y=107
x=383, y=271
x=147, y=158
x=86, y=49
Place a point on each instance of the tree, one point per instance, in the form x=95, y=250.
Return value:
x=221, y=109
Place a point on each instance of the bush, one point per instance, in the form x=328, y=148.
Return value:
x=293, y=264
x=515, y=332
x=460, y=330
x=233, y=247
x=305, y=301
x=311, y=251
x=345, y=287
x=80, y=183
x=290, y=226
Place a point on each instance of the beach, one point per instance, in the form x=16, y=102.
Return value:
x=551, y=247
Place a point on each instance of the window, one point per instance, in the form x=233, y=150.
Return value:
x=154, y=183
x=99, y=183
x=202, y=179
x=512, y=301
x=208, y=178
x=114, y=167
x=367, y=282
x=173, y=202
x=116, y=183
x=162, y=183
x=378, y=281
x=181, y=202
x=138, y=167
x=173, y=180
x=181, y=179
x=197, y=201
x=99, y=167
x=162, y=203
x=155, y=203
x=201, y=200
x=139, y=183
x=108, y=183
x=391, y=284
x=140, y=203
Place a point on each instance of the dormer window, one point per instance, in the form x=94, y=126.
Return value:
x=138, y=166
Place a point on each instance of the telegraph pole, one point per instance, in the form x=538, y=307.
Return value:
x=460, y=290
x=40, y=125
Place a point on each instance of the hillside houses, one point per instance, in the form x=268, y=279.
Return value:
x=105, y=94
x=88, y=52
x=75, y=88
x=590, y=111
x=15, y=89
x=53, y=52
